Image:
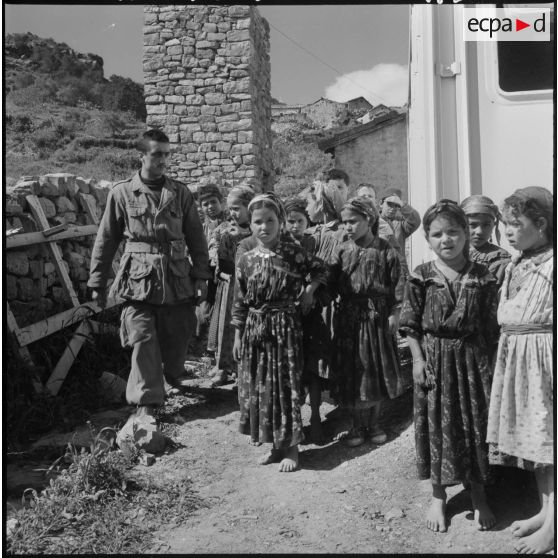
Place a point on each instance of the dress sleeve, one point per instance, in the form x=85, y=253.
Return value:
x=410, y=319
x=396, y=277
x=490, y=312
x=225, y=253
x=240, y=306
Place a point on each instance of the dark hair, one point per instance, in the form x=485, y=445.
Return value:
x=518, y=205
x=450, y=210
x=151, y=135
x=336, y=174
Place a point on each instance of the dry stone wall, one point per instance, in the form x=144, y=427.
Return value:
x=33, y=289
x=207, y=85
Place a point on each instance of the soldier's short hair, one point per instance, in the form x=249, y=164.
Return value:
x=151, y=135
x=336, y=174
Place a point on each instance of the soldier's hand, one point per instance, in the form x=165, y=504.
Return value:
x=200, y=290
x=99, y=296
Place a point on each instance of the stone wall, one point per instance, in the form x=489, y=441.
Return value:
x=207, y=85
x=33, y=289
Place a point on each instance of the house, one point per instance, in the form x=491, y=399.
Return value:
x=326, y=114
x=374, y=152
x=358, y=105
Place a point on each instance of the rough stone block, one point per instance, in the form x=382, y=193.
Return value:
x=12, y=208
x=176, y=99
x=151, y=39
x=63, y=204
x=26, y=290
x=237, y=35
x=238, y=11
x=37, y=268
x=172, y=42
x=208, y=126
x=194, y=100
x=214, y=98
x=223, y=146
x=82, y=185
x=176, y=50
x=156, y=109
x=48, y=207
x=153, y=99
x=48, y=268
x=11, y=286
x=243, y=23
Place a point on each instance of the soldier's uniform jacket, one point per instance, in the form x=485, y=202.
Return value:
x=153, y=267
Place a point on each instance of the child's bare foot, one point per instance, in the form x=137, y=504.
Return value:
x=289, y=463
x=524, y=527
x=274, y=456
x=539, y=542
x=436, y=515
x=483, y=514
x=253, y=442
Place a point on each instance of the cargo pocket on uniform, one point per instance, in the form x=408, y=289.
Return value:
x=138, y=219
x=140, y=283
x=180, y=278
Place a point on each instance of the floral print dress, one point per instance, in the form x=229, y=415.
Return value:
x=456, y=322
x=369, y=283
x=493, y=257
x=222, y=250
x=521, y=418
x=268, y=283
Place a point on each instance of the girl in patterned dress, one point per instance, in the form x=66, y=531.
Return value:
x=483, y=217
x=222, y=249
x=316, y=335
x=367, y=273
x=275, y=282
x=449, y=318
x=521, y=418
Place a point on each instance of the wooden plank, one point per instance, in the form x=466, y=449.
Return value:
x=82, y=333
x=52, y=324
x=23, y=351
x=28, y=239
x=39, y=214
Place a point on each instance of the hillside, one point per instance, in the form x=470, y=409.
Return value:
x=62, y=114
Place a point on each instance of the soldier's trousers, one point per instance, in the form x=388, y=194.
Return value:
x=159, y=337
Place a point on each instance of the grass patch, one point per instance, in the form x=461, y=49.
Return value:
x=95, y=504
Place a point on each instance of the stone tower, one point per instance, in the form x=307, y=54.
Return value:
x=207, y=85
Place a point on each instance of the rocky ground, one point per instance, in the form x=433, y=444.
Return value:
x=341, y=500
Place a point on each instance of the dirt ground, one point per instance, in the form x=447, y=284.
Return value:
x=341, y=500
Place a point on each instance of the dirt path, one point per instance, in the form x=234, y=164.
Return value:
x=342, y=500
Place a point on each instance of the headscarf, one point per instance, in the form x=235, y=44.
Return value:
x=452, y=209
x=483, y=204
x=329, y=198
x=298, y=205
x=538, y=199
x=242, y=194
x=271, y=200
x=365, y=207
x=209, y=190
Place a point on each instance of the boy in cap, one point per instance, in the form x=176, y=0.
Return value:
x=403, y=219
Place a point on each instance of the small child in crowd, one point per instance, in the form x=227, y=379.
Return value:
x=521, y=417
x=366, y=272
x=449, y=318
x=222, y=249
x=316, y=335
x=274, y=282
x=483, y=217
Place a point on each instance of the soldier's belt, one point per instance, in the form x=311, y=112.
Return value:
x=174, y=248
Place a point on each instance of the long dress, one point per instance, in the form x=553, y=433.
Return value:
x=521, y=420
x=268, y=283
x=222, y=250
x=369, y=283
x=493, y=257
x=456, y=321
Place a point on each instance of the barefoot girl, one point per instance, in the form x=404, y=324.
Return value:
x=270, y=279
x=222, y=248
x=521, y=417
x=316, y=336
x=367, y=273
x=483, y=217
x=449, y=318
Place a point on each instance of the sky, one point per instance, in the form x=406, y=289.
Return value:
x=343, y=51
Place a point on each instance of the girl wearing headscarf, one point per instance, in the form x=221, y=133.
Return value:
x=366, y=270
x=222, y=249
x=521, y=416
x=316, y=335
x=449, y=318
x=275, y=283
x=483, y=218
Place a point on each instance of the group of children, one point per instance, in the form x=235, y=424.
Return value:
x=316, y=293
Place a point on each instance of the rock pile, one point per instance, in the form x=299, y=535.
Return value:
x=32, y=285
x=207, y=84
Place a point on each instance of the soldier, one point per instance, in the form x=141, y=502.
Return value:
x=157, y=218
